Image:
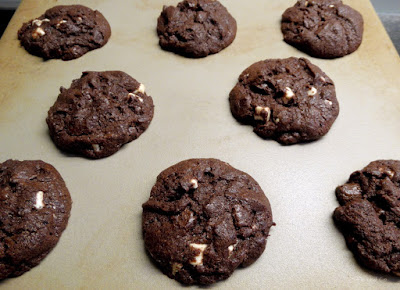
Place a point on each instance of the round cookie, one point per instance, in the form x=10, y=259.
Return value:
x=369, y=215
x=99, y=113
x=288, y=100
x=204, y=219
x=65, y=31
x=323, y=28
x=34, y=211
x=196, y=28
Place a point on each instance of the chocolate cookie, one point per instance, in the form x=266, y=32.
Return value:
x=323, y=28
x=65, y=32
x=204, y=219
x=99, y=113
x=369, y=215
x=34, y=211
x=289, y=100
x=196, y=28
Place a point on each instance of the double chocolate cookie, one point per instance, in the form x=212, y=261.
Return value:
x=34, y=211
x=204, y=219
x=196, y=28
x=289, y=100
x=323, y=28
x=369, y=215
x=65, y=32
x=99, y=113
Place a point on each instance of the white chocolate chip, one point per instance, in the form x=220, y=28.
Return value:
x=194, y=183
x=288, y=95
x=61, y=22
x=389, y=172
x=79, y=19
x=260, y=113
x=132, y=95
x=331, y=6
x=96, y=147
x=39, y=200
x=306, y=3
x=39, y=22
x=176, y=267
x=312, y=92
x=230, y=249
x=38, y=32
x=198, y=260
x=277, y=120
x=140, y=89
x=328, y=102
x=322, y=79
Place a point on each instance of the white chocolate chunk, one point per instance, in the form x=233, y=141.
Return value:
x=61, y=22
x=331, y=6
x=194, y=183
x=39, y=22
x=132, y=95
x=312, y=92
x=322, y=79
x=260, y=112
x=39, y=200
x=306, y=3
x=176, y=267
x=79, y=19
x=288, y=95
x=230, y=249
x=328, y=102
x=277, y=120
x=389, y=172
x=141, y=89
x=198, y=260
x=38, y=32
x=96, y=147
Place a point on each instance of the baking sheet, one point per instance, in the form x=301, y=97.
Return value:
x=102, y=246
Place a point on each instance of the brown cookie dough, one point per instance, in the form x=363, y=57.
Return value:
x=196, y=28
x=65, y=31
x=34, y=209
x=288, y=100
x=369, y=215
x=99, y=113
x=204, y=219
x=323, y=28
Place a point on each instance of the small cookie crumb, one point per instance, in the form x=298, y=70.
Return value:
x=39, y=200
x=198, y=260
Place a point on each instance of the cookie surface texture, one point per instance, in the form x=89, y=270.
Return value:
x=34, y=210
x=288, y=100
x=323, y=28
x=369, y=215
x=65, y=31
x=196, y=28
x=204, y=219
x=99, y=113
